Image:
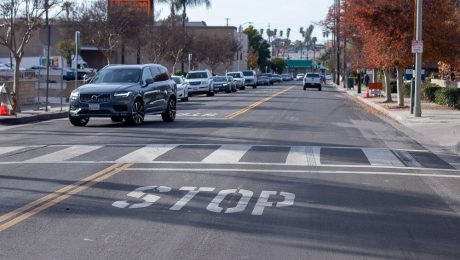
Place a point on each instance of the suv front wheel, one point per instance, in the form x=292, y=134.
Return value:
x=210, y=92
x=79, y=121
x=137, y=114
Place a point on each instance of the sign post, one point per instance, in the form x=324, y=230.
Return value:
x=77, y=47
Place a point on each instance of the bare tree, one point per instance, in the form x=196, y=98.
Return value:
x=19, y=20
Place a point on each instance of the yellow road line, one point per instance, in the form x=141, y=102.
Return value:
x=59, y=196
x=256, y=104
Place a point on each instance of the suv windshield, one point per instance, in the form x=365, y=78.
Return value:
x=310, y=75
x=235, y=75
x=117, y=76
x=248, y=73
x=197, y=75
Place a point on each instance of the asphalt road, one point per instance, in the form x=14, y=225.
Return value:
x=268, y=173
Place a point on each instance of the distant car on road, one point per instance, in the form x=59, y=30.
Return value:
x=221, y=83
x=232, y=83
x=182, y=88
x=286, y=77
x=263, y=80
x=300, y=76
x=277, y=78
x=312, y=80
x=200, y=83
x=270, y=78
x=250, y=78
x=238, y=77
x=125, y=92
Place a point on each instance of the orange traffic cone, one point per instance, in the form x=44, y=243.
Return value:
x=367, y=95
x=3, y=110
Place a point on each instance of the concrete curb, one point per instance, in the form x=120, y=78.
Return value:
x=33, y=118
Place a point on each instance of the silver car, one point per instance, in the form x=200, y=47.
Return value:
x=125, y=92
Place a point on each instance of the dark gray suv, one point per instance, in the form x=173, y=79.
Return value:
x=125, y=92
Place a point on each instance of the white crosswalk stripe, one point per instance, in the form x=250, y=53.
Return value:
x=147, y=154
x=228, y=153
x=382, y=157
x=223, y=154
x=5, y=150
x=66, y=154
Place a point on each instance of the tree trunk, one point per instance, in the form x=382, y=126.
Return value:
x=16, y=83
x=400, y=74
x=386, y=74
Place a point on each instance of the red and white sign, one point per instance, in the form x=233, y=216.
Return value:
x=417, y=46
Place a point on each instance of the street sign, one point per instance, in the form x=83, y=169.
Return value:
x=417, y=46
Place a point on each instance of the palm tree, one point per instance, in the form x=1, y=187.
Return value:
x=281, y=33
x=183, y=4
x=275, y=32
x=307, y=37
x=67, y=6
x=313, y=41
x=288, y=33
x=173, y=7
x=262, y=31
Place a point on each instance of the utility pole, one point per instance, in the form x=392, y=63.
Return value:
x=337, y=39
x=228, y=19
x=418, y=63
x=47, y=54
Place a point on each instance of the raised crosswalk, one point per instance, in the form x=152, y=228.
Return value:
x=223, y=154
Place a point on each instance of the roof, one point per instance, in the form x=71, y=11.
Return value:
x=299, y=64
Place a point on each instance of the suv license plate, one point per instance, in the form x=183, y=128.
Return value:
x=94, y=107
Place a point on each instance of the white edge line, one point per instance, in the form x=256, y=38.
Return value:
x=245, y=163
x=298, y=171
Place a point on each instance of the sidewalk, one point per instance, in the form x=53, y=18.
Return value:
x=438, y=129
x=30, y=114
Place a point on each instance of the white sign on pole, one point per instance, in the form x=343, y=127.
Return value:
x=417, y=46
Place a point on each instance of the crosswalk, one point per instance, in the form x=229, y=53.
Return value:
x=223, y=154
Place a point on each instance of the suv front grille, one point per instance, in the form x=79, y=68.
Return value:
x=95, y=98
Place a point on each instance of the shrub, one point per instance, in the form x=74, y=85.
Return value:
x=457, y=106
x=406, y=89
x=429, y=91
x=447, y=96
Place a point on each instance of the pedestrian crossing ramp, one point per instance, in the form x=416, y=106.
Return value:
x=223, y=154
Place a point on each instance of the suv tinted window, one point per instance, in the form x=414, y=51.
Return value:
x=248, y=73
x=146, y=74
x=311, y=75
x=164, y=76
x=234, y=75
x=155, y=73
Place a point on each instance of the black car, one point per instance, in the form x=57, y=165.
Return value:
x=222, y=83
x=125, y=92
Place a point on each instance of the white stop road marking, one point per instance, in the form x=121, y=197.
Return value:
x=145, y=194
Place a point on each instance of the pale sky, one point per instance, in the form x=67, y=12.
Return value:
x=278, y=14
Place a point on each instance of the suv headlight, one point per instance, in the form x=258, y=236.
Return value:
x=74, y=95
x=122, y=94
x=204, y=83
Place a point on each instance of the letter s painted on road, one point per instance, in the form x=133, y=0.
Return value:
x=139, y=193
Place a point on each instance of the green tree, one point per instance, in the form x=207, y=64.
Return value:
x=258, y=45
x=184, y=4
x=278, y=65
x=66, y=49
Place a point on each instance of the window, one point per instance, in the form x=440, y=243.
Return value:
x=146, y=74
x=155, y=73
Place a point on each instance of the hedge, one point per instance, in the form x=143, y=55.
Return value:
x=429, y=91
x=448, y=96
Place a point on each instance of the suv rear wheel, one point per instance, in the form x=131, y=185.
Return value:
x=170, y=114
x=137, y=114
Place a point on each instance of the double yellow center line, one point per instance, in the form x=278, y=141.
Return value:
x=256, y=104
x=14, y=217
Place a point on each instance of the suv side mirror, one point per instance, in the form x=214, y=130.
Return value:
x=148, y=82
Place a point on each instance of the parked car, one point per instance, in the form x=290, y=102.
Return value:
x=221, y=84
x=182, y=88
x=238, y=77
x=300, y=76
x=250, y=78
x=232, y=83
x=125, y=92
x=328, y=77
x=200, y=83
x=312, y=80
x=269, y=76
x=277, y=78
x=263, y=80
x=286, y=77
